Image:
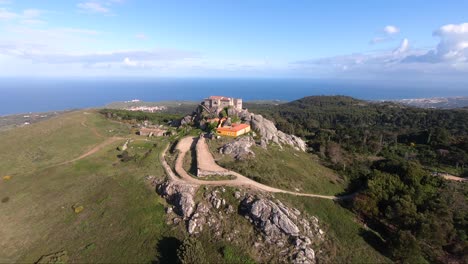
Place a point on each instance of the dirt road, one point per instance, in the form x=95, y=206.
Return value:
x=205, y=160
x=185, y=144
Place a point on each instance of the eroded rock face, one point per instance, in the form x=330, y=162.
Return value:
x=240, y=148
x=284, y=227
x=294, y=141
x=181, y=195
x=265, y=127
x=282, y=233
x=269, y=132
x=269, y=217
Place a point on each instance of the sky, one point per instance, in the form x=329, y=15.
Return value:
x=400, y=41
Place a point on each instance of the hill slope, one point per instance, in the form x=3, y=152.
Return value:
x=98, y=207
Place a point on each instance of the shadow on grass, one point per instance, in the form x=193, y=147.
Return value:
x=193, y=163
x=167, y=249
x=374, y=241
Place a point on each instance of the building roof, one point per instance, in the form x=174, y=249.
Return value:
x=233, y=128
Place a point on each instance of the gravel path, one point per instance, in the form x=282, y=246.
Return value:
x=205, y=160
x=186, y=143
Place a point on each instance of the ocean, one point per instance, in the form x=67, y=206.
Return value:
x=40, y=95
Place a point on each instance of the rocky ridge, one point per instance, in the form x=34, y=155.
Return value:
x=239, y=148
x=265, y=127
x=268, y=132
x=282, y=233
x=282, y=225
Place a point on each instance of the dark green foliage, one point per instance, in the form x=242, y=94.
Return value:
x=437, y=138
x=387, y=152
x=126, y=157
x=210, y=127
x=191, y=252
x=420, y=216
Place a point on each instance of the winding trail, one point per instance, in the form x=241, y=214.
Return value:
x=186, y=143
x=92, y=151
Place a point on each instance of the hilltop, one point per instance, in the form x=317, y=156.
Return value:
x=105, y=201
x=84, y=183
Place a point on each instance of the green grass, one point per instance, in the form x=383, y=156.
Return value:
x=347, y=237
x=234, y=255
x=53, y=141
x=123, y=219
x=283, y=168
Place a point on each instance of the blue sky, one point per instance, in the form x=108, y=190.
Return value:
x=368, y=40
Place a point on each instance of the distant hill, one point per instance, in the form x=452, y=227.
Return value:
x=437, y=102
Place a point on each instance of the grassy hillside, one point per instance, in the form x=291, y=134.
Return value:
x=350, y=240
x=100, y=209
x=122, y=220
x=53, y=141
x=283, y=168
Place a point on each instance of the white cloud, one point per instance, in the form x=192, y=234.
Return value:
x=449, y=59
x=132, y=64
x=31, y=13
x=452, y=48
x=386, y=34
x=378, y=40
x=93, y=7
x=5, y=14
x=390, y=30
x=403, y=48
x=33, y=22
x=27, y=16
x=41, y=54
x=141, y=36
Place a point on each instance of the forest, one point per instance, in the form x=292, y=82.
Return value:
x=336, y=125
x=390, y=155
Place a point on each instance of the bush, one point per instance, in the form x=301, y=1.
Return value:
x=191, y=251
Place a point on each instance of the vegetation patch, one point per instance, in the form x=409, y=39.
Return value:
x=284, y=168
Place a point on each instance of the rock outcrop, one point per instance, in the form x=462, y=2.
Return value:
x=269, y=217
x=284, y=227
x=294, y=141
x=266, y=128
x=269, y=132
x=240, y=148
x=281, y=233
x=179, y=194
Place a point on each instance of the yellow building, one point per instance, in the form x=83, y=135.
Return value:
x=233, y=131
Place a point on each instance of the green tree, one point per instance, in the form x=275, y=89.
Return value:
x=191, y=252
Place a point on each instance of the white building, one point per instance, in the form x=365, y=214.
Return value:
x=221, y=102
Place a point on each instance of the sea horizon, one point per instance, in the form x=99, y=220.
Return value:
x=21, y=95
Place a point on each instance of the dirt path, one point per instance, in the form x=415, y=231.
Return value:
x=93, y=150
x=205, y=160
x=453, y=178
x=185, y=144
